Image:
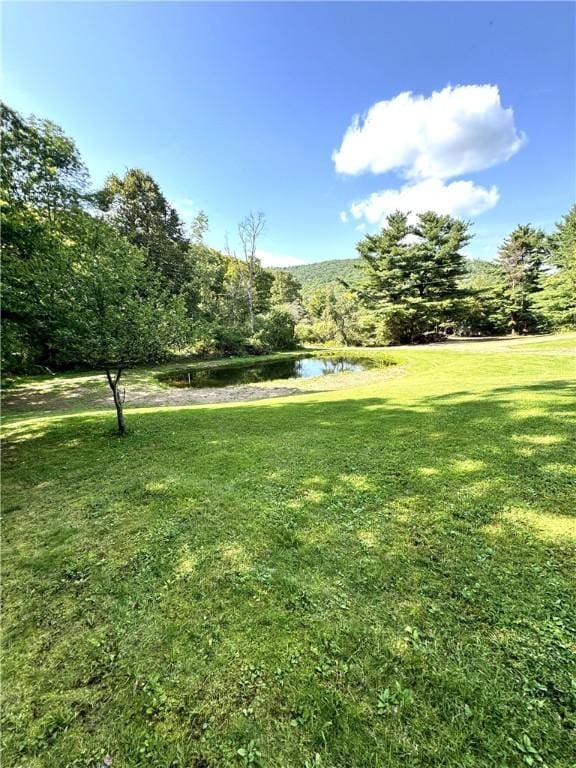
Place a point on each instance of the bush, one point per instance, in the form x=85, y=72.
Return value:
x=227, y=341
x=18, y=352
x=275, y=332
x=315, y=332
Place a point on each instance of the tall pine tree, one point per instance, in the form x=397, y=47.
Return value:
x=521, y=257
x=411, y=274
x=557, y=301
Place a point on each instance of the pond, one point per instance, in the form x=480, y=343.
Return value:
x=267, y=370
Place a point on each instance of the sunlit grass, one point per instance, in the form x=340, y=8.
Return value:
x=381, y=575
x=565, y=342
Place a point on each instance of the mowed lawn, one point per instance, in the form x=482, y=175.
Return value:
x=379, y=576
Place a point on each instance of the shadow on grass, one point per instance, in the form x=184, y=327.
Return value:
x=374, y=583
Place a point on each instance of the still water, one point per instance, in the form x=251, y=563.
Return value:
x=293, y=368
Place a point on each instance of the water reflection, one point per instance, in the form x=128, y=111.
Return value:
x=267, y=370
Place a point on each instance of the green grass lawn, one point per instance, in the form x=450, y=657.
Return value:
x=565, y=343
x=376, y=576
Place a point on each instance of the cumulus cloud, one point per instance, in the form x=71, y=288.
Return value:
x=459, y=198
x=270, y=259
x=454, y=131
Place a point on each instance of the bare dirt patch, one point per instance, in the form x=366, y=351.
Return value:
x=82, y=393
x=75, y=396
x=194, y=396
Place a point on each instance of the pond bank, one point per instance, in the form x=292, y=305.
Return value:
x=144, y=388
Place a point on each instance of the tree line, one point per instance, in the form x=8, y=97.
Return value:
x=108, y=278
x=414, y=284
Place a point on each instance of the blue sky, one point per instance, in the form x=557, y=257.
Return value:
x=241, y=106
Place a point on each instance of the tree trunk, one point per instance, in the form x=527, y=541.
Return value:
x=118, y=399
x=251, y=307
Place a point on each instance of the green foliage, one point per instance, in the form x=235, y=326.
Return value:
x=274, y=331
x=40, y=166
x=323, y=274
x=34, y=263
x=557, y=300
x=285, y=288
x=136, y=207
x=483, y=311
x=530, y=287
x=42, y=185
x=112, y=311
x=413, y=284
x=332, y=315
x=521, y=257
x=51, y=252
x=263, y=284
x=410, y=274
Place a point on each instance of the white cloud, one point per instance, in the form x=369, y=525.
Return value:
x=343, y=217
x=454, y=131
x=270, y=259
x=459, y=198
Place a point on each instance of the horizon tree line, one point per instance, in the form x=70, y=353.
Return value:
x=111, y=278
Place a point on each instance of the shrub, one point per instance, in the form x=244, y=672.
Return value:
x=275, y=331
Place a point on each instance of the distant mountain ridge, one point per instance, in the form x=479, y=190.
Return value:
x=322, y=273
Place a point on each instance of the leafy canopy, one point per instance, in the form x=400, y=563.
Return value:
x=115, y=311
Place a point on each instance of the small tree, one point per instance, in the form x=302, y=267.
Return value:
x=116, y=315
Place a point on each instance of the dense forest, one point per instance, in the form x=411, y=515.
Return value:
x=335, y=272
x=111, y=277
x=412, y=283
x=320, y=274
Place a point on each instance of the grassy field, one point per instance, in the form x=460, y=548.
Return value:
x=376, y=576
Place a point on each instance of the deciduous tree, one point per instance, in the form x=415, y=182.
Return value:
x=41, y=167
x=136, y=207
x=115, y=314
x=42, y=190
